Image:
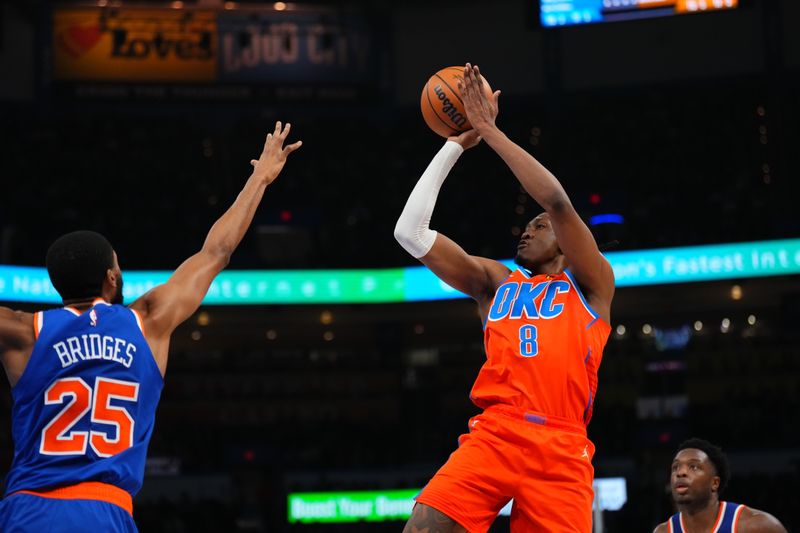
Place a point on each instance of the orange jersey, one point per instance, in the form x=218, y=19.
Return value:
x=543, y=346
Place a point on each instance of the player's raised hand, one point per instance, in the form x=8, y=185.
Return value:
x=274, y=155
x=467, y=140
x=481, y=110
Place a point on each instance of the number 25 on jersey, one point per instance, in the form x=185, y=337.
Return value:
x=57, y=439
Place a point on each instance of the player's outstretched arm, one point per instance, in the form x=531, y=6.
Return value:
x=591, y=269
x=16, y=341
x=166, y=306
x=472, y=275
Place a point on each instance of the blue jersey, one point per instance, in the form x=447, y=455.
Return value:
x=726, y=522
x=84, y=408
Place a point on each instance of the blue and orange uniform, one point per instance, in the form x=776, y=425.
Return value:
x=83, y=413
x=727, y=519
x=544, y=345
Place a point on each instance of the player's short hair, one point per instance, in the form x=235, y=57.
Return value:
x=77, y=263
x=716, y=457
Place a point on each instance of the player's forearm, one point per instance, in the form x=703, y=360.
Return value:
x=539, y=182
x=228, y=231
x=412, y=230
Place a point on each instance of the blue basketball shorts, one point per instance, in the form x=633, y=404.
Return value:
x=26, y=513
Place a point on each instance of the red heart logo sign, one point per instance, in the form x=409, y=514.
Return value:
x=77, y=40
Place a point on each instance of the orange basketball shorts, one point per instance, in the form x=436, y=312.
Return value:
x=544, y=463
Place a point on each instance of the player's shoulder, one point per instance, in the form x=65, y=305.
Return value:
x=663, y=527
x=13, y=314
x=757, y=521
x=496, y=272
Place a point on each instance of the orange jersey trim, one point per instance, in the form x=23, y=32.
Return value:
x=38, y=320
x=139, y=320
x=88, y=490
x=736, y=517
x=720, y=515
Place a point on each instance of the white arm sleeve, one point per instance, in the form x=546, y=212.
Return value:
x=412, y=231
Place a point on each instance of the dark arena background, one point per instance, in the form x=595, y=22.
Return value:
x=328, y=376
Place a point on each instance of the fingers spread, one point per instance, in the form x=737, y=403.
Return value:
x=277, y=128
x=285, y=131
x=292, y=147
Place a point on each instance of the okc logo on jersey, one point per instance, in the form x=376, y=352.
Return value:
x=93, y=317
x=517, y=299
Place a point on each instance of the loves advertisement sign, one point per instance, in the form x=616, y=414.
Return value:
x=134, y=45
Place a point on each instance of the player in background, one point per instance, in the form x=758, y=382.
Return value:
x=86, y=378
x=700, y=473
x=545, y=326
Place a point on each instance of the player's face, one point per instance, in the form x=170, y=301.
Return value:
x=693, y=477
x=537, y=244
x=117, y=299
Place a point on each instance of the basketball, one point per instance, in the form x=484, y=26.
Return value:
x=441, y=103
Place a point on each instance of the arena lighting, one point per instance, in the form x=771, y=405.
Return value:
x=736, y=292
x=609, y=218
x=414, y=284
x=554, y=13
x=386, y=505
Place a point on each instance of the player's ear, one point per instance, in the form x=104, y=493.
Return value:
x=715, y=484
x=111, y=277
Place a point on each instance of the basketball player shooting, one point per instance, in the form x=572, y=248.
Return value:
x=545, y=326
x=86, y=378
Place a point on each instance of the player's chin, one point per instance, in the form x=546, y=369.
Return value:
x=523, y=259
x=681, y=498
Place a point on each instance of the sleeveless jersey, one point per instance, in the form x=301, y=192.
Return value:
x=85, y=405
x=727, y=519
x=543, y=347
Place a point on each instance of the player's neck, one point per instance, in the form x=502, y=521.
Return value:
x=700, y=518
x=82, y=303
x=553, y=267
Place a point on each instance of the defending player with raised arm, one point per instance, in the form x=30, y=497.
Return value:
x=545, y=326
x=86, y=378
x=699, y=475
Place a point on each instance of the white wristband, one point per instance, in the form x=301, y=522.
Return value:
x=412, y=231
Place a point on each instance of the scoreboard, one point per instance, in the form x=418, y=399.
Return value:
x=571, y=12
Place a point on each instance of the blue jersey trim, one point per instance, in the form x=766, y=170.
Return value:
x=675, y=522
x=588, y=405
x=725, y=524
x=580, y=295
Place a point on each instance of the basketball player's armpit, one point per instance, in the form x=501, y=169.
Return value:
x=557, y=203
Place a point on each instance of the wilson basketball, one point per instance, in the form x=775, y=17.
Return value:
x=441, y=103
